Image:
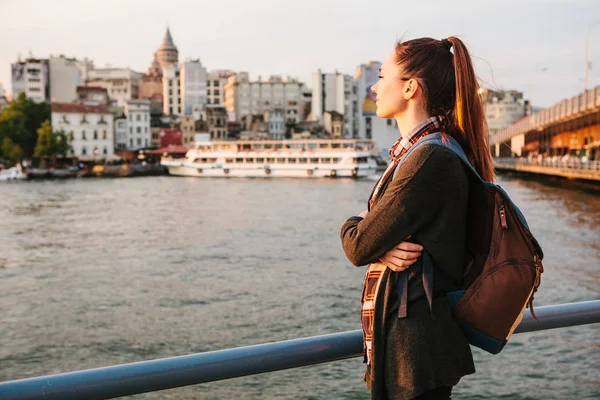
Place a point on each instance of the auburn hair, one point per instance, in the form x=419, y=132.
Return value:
x=451, y=90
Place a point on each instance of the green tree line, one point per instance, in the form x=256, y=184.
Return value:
x=26, y=132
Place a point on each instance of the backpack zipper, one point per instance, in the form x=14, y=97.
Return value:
x=475, y=285
x=504, y=225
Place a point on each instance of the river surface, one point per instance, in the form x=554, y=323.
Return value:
x=102, y=272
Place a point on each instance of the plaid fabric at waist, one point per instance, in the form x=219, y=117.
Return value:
x=370, y=288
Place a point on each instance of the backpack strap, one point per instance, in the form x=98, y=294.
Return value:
x=441, y=139
x=449, y=142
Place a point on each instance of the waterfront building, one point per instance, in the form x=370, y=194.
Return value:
x=32, y=78
x=122, y=84
x=336, y=92
x=192, y=86
x=171, y=90
x=139, y=135
x=215, y=87
x=90, y=128
x=244, y=97
x=151, y=82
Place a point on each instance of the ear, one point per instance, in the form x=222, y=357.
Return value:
x=410, y=88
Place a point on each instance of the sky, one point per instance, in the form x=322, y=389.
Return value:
x=533, y=46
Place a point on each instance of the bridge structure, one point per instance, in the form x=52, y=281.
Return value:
x=570, y=127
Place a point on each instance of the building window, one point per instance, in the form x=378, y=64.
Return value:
x=95, y=135
x=138, y=130
x=104, y=134
x=139, y=141
x=83, y=135
x=146, y=142
x=131, y=117
x=105, y=151
x=216, y=83
x=83, y=151
x=389, y=122
x=138, y=117
x=71, y=137
x=130, y=142
x=131, y=129
x=170, y=110
x=145, y=117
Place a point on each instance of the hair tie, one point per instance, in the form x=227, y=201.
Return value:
x=447, y=43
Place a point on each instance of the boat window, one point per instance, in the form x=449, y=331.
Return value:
x=291, y=161
x=348, y=145
x=260, y=160
x=239, y=160
x=335, y=145
x=212, y=160
x=312, y=145
x=270, y=160
x=279, y=145
x=314, y=160
x=337, y=159
x=268, y=146
x=323, y=145
x=302, y=160
x=249, y=160
x=326, y=160
x=229, y=160
x=258, y=147
x=281, y=160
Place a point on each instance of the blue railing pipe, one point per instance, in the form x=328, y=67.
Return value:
x=147, y=376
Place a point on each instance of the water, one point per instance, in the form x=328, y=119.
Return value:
x=102, y=272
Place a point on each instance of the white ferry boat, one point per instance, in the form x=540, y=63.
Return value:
x=348, y=158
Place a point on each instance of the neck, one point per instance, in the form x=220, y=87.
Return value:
x=408, y=121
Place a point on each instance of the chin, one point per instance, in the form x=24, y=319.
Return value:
x=381, y=113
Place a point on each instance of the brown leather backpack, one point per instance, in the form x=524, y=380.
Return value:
x=503, y=261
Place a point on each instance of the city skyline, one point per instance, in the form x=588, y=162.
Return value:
x=512, y=48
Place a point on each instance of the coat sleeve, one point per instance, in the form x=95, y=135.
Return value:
x=409, y=203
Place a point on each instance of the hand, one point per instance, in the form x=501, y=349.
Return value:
x=363, y=214
x=402, y=256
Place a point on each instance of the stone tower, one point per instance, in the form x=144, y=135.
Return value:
x=167, y=52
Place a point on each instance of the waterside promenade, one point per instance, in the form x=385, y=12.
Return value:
x=573, y=168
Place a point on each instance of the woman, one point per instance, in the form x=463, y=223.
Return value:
x=413, y=347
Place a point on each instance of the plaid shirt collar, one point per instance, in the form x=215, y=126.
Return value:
x=403, y=144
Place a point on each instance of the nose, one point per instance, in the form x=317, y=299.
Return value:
x=374, y=88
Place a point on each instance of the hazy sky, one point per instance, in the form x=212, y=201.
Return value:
x=535, y=46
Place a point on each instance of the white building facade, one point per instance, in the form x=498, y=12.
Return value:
x=65, y=76
x=91, y=129
x=171, y=90
x=276, y=123
x=122, y=84
x=193, y=86
x=138, y=124
x=336, y=92
x=215, y=87
x=244, y=97
x=32, y=78
x=121, y=134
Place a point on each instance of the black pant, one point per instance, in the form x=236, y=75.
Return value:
x=441, y=393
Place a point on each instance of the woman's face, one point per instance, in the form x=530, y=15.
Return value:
x=390, y=89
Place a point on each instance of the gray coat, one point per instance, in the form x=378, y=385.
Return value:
x=428, y=200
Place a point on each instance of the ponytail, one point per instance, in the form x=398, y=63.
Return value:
x=469, y=114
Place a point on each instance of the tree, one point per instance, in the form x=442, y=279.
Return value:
x=10, y=151
x=43, y=146
x=61, y=143
x=50, y=143
x=19, y=121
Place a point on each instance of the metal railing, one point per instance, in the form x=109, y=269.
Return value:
x=167, y=373
x=551, y=162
